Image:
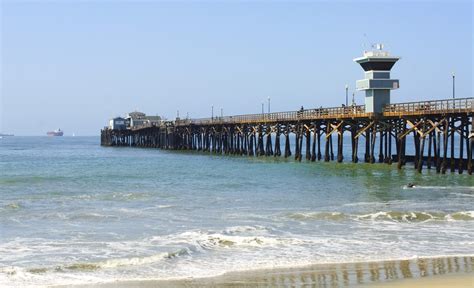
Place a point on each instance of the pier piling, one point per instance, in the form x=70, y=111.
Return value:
x=442, y=130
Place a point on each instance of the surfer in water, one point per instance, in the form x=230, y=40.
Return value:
x=411, y=185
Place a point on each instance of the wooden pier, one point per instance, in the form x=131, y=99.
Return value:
x=442, y=131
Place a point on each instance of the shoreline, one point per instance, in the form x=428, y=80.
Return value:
x=434, y=281
x=457, y=271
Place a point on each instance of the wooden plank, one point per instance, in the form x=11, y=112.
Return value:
x=364, y=129
x=334, y=128
x=408, y=131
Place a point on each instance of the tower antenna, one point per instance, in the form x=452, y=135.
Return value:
x=365, y=41
x=378, y=46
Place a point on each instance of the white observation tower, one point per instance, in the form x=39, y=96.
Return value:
x=377, y=83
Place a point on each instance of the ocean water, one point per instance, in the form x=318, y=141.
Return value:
x=74, y=212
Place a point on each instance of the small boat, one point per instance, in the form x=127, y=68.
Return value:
x=55, y=133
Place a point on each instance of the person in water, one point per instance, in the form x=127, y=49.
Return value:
x=411, y=185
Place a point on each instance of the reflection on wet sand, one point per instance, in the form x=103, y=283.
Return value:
x=344, y=275
x=323, y=275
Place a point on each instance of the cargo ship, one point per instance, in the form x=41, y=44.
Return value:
x=55, y=133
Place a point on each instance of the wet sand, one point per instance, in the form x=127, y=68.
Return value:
x=438, y=281
x=420, y=272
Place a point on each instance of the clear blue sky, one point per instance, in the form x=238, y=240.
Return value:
x=74, y=65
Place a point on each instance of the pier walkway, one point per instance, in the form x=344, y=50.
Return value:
x=442, y=132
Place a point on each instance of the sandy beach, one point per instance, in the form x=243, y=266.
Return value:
x=439, y=281
x=420, y=272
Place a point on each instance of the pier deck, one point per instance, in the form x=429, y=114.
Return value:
x=446, y=126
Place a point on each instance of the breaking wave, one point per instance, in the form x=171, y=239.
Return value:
x=228, y=239
x=394, y=216
x=468, y=188
x=110, y=263
x=191, y=242
x=336, y=216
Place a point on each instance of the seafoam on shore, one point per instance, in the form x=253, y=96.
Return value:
x=458, y=271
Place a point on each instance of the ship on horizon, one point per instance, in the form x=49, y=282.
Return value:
x=55, y=133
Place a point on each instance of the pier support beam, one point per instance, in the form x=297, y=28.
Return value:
x=447, y=137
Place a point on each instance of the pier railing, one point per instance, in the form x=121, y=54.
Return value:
x=306, y=114
x=459, y=105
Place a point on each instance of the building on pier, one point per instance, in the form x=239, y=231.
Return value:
x=134, y=120
x=153, y=120
x=377, y=83
x=117, y=123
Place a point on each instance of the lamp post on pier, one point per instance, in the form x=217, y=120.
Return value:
x=212, y=112
x=347, y=91
x=263, y=111
x=268, y=104
x=454, y=85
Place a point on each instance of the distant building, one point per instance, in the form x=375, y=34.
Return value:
x=153, y=120
x=136, y=115
x=138, y=119
x=117, y=123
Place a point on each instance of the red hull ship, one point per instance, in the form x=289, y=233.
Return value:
x=55, y=133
